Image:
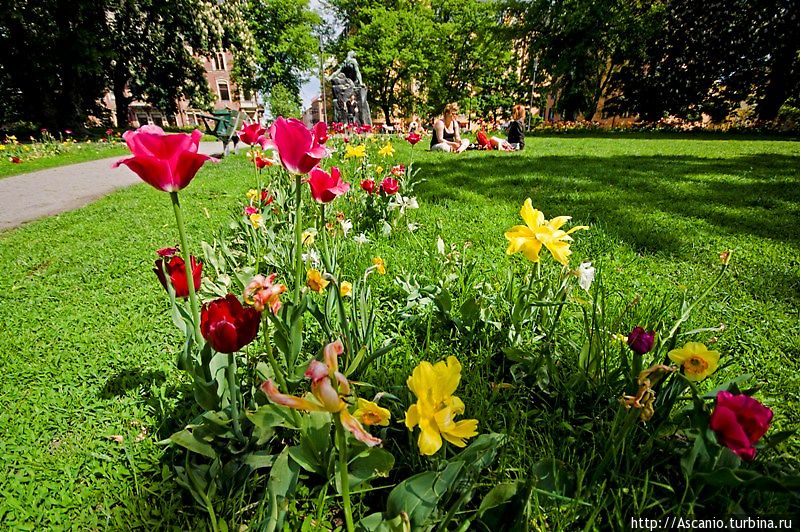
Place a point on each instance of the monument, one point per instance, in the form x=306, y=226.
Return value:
x=349, y=93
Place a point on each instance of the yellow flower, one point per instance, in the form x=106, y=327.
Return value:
x=355, y=151
x=387, y=150
x=308, y=237
x=370, y=413
x=2, y=147
x=379, y=169
x=697, y=361
x=536, y=232
x=257, y=220
x=252, y=194
x=315, y=281
x=436, y=406
x=379, y=265
x=346, y=289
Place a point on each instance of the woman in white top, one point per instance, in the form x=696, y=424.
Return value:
x=446, y=133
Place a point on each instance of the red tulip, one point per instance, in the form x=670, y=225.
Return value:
x=176, y=270
x=109, y=132
x=327, y=187
x=739, y=421
x=167, y=162
x=390, y=186
x=266, y=197
x=368, y=185
x=413, y=138
x=250, y=133
x=14, y=159
x=167, y=252
x=227, y=325
x=263, y=162
x=298, y=148
x=321, y=132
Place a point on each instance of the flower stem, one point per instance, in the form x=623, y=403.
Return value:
x=230, y=375
x=276, y=369
x=187, y=261
x=342, y=437
x=298, y=236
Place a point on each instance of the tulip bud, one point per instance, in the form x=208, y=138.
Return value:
x=641, y=341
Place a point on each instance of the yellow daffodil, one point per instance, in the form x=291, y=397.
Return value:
x=315, y=281
x=536, y=232
x=346, y=289
x=257, y=220
x=379, y=169
x=436, y=406
x=252, y=194
x=370, y=413
x=355, y=151
x=308, y=237
x=697, y=361
x=2, y=147
x=379, y=265
x=387, y=150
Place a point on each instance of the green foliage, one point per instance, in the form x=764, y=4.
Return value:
x=284, y=102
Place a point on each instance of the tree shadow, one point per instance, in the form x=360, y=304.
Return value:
x=756, y=195
x=128, y=379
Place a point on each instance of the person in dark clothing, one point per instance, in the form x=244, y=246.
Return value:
x=516, y=128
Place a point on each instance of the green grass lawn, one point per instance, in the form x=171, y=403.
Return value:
x=87, y=345
x=74, y=153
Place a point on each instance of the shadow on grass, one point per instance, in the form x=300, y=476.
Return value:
x=756, y=195
x=128, y=379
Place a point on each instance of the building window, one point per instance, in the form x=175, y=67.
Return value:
x=219, y=61
x=223, y=91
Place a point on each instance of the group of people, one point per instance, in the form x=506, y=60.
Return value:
x=447, y=133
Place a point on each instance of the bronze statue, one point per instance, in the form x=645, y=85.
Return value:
x=349, y=93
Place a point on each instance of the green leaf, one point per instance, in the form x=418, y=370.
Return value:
x=280, y=487
x=369, y=464
x=186, y=439
x=419, y=496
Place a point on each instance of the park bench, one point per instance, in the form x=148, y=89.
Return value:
x=224, y=124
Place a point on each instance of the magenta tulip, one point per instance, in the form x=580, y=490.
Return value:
x=641, y=341
x=167, y=162
x=413, y=138
x=390, y=186
x=321, y=132
x=250, y=133
x=227, y=325
x=739, y=421
x=299, y=149
x=326, y=187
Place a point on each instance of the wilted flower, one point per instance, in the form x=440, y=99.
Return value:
x=536, y=232
x=379, y=265
x=641, y=341
x=697, y=361
x=328, y=387
x=739, y=421
x=262, y=292
x=399, y=170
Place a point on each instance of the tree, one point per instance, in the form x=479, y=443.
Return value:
x=394, y=50
x=286, y=49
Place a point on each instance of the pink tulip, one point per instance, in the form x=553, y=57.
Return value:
x=250, y=133
x=167, y=162
x=321, y=132
x=298, y=148
x=326, y=187
x=739, y=421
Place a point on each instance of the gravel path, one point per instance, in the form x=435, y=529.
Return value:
x=31, y=196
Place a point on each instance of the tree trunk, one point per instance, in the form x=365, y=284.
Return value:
x=779, y=83
x=121, y=101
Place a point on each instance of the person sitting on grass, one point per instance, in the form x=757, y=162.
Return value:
x=494, y=143
x=516, y=128
x=446, y=133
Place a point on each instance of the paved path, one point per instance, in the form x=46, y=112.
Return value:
x=31, y=196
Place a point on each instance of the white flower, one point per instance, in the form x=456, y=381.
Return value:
x=412, y=227
x=411, y=203
x=387, y=228
x=347, y=226
x=361, y=238
x=440, y=245
x=312, y=256
x=585, y=275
